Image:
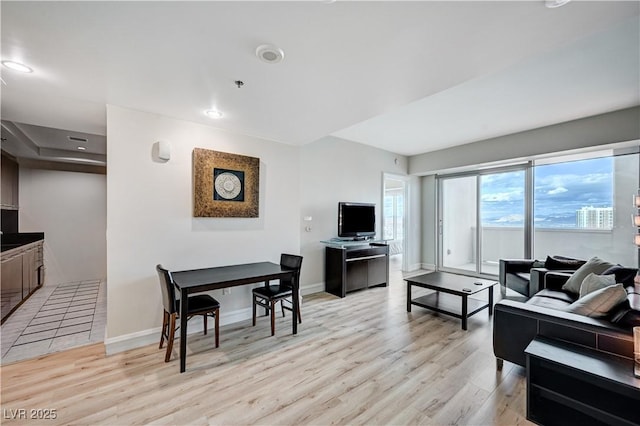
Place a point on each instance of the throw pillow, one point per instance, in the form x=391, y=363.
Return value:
x=623, y=275
x=595, y=282
x=598, y=303
x=538, y=264
x=595, y=265
x=561, y=262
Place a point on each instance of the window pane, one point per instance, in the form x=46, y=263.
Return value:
x=502, y=214
x=583, y=209
x=387, y=232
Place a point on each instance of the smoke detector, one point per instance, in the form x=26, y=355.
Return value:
x=270, y=54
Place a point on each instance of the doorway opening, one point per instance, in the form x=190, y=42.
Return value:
x=394, y=219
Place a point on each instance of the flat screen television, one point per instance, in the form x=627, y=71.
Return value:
x=356, y=220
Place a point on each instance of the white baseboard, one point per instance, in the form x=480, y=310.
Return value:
x=414, y=267
x=312, y=288
x=146, y=337
x=152, y=335
x=131, y=341
x=428, y=266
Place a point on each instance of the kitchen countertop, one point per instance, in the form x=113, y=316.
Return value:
x=11, y=241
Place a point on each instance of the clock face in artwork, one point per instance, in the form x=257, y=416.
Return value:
x=228, y=185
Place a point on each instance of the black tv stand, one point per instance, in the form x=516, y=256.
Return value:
x=351, y=266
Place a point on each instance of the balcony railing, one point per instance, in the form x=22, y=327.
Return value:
x=614, y=245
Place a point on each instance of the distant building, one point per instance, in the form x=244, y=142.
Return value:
x=594, y=217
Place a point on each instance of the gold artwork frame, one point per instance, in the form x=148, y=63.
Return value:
x=225, y=184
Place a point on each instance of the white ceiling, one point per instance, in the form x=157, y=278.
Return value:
x=408, y=77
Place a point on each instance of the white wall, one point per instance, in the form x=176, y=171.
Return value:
x=334, y=170
x=613, y=127
x=149, y=216
x=71, y=209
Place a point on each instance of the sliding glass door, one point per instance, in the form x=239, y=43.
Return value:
x=482, y=219
x=458, y=222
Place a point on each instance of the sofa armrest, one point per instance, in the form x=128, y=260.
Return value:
x=554, y=280
x=515, y=265
x=511, y=266
x=536, y=282
x=516, y=324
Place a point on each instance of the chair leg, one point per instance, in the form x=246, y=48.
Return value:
x=299, y=314
x=172, y=333
x=254, y=310
x=204, y=317
x=164, y=328
x=273, y=317
x=217, y=327
x=282, y=306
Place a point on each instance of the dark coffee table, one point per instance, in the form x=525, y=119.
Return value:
x=451, y=284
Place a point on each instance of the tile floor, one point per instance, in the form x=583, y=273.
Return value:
x=56, y=318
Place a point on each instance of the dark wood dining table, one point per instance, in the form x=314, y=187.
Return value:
x=199, y=280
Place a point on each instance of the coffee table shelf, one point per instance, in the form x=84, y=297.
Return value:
x=450, y=297
x=448, y=304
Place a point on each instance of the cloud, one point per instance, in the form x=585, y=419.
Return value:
x=502, y=196
x=510, y=218
x=558, y=190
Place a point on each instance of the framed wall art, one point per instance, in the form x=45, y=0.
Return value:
x=224, y=184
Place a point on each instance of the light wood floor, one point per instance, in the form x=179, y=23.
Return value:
x=358, y=360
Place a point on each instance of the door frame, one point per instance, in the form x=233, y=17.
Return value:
x=528, y=209
x=405, y=214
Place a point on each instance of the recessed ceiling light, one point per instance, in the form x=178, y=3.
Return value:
x=212, y=113
x=552, y=4
x=16, y=66
x=82, y=148
x=270, y=54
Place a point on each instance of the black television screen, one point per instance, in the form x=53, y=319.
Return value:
x=356, y=219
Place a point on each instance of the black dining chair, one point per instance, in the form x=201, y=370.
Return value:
x=269, y=295
x=201, y=304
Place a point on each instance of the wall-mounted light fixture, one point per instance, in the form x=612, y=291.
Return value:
x=307, y=220
x=162, y=151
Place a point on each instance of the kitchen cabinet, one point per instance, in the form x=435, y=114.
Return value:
x=22, y=273
x=9, y=183
x=11, y=284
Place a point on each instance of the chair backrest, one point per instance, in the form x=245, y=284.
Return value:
x=292, y=261
x=168, y=289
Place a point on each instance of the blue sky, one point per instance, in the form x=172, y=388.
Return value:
x=560, y=190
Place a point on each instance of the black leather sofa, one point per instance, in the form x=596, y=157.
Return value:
x=516, y=324
x=526, y=276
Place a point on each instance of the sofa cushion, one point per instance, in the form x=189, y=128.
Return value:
x=563, y=263
x=623, y=275
x=599, y=303
x=593, y=282
x=594, y=265
x=549, y=302
x=558, y=295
